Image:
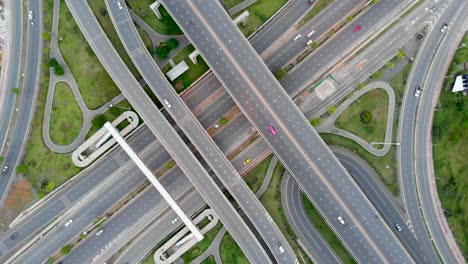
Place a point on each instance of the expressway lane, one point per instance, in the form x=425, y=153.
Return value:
x=12, y=70
x=422, y=136
x=233, y=133
x=297, y=145
x=405, y=153
x=28, y=93
x=320, y=24
x=316, y=246
x=166, y=134
x=231, y=136
x=198, y=136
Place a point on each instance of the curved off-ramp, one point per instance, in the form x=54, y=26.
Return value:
x=328, y=125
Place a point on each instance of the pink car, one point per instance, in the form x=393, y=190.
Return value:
x=272, y=130
x=357, y=28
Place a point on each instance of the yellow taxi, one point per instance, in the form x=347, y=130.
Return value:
x=247, y=161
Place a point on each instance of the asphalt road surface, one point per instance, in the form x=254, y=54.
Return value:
x=95, y=174
x=198, y=136
x=297, y=145
x=27, y=97
x=414, y=182
x=15, y=45
x=166, y=134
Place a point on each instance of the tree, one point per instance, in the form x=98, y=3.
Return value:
x=223, y=120
x=46, y=35
x=374, y=2
x=376, y=75
x=281, y=74
x=170, y=164
x=66, y=249
x=316, y=121
x=99, y=121
x=59, y=71
x=21, y=169
x=366, y=117
x=53, y=62
x=350, y=18
x=314, y=44
x=172, y=43
x=15, y=90
x=401, y=54
x=331, y=110
x=390, y=64
x=361, y=85
x=162, y=52
x=1, y=158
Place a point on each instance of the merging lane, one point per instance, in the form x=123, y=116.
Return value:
x=295, y=143
x=165, y=132
x=198, y=136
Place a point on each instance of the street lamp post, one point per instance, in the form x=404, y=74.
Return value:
x=385, y=143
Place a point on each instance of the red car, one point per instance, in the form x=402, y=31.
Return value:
x=272, y=130
x=357, y=28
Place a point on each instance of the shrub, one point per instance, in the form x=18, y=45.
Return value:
x=281, y=74
x=46, y=35
x=366, y=117
x=223, y=120
x=401, y=54
x=170, y=164
x=53, y=62
x=99, y=121
x=162, y=52
x=66, y=249
x=316, y=121
x=331, y=110
x=58, y=70
x=390, y=64
x=1, y=158
x=21, y=169
x=172, y=43
x=376, y=75
x=15, y=90
x=361, y=85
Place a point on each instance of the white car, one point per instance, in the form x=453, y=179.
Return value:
x=398, y=227
x=167, y=103
x=418, y=91
x=68, y=223
x=280, y=247
x=311, y=33
x=175, y=220
x=5, y=168
x=341, y=220
x=119, y=4
x=98, y=233
x=444, y=28
x=298, y=36
x=309, y=42
x=30, y=15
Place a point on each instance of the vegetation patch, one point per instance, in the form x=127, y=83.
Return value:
x=95, y=85
x=166, y=25
x=326, y=232
x=449, y=135
x=255, y=177
x=203, y=245
x=231, y=252
x=260, y=12
x=319, y=6
x=367, y=116
x=192, y=74
x=66, y=118
x=110, y=115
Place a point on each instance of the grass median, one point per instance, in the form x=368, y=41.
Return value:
x=165, y=26
x=66, y=118
x=259, y=13
x=374, y=102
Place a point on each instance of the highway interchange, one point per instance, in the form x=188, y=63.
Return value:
x=207, y=121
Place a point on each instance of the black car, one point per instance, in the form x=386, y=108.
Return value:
x=14, y=235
